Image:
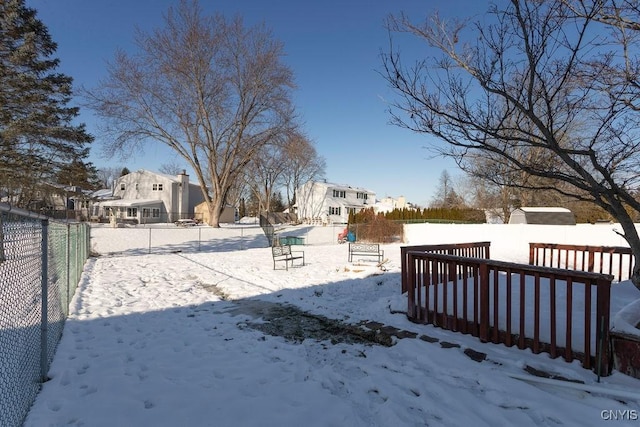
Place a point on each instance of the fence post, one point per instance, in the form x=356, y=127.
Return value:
x=1, y=240
x=44, y=321
x=68, y=266
x=484, y=303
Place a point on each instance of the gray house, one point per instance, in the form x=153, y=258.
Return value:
x=542, y=215
x=147, y=197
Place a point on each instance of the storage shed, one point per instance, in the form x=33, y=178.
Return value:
x=228, y=215
x=542, y=215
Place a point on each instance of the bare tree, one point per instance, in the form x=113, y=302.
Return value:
x=289, y=163
x=446, y=195
x=171, y=168
x=212, y=90
x=538, y=78
x=303, y=164
x=264, y=176
x=108, y=175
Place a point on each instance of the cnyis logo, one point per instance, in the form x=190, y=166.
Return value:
x=619, y=415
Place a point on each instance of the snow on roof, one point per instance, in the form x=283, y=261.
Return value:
x=544, y=209
x=164, y=175
x=100, y=194
x=343, y=186
x=130, y=202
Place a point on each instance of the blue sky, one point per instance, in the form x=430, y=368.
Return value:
x=333, y=48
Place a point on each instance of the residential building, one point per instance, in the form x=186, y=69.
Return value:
x=388, y=204
x=328, y=203
x=148, y=197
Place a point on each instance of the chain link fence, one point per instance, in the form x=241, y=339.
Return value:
x=40, y=266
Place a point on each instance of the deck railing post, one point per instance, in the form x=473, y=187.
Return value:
x=409, y=283
x=531, y=253
x=591, y=261
x=405, y=269
x=603, y=306
x=484, y=303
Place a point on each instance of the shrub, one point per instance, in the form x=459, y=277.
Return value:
x=376, y=228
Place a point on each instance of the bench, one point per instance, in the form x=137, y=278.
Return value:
x=365, y=249
x=284, y=253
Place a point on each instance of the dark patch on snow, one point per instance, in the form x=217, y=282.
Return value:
x=543, y=374
x=296, y=325
x=476, y=356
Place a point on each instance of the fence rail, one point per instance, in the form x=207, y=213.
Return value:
x=615, y=260
x=544, y=309
x=40, y=266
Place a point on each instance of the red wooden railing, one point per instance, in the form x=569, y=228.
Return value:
x=615, y=260
x=471, y=250
x=544, y=309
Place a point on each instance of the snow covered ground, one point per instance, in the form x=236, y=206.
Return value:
x=181, y=337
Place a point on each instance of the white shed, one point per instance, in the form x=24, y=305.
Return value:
x=542, y=215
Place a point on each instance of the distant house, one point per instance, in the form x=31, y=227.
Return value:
x=149, y=197
x=327, y=203
x=542, y=215
x=388, y=204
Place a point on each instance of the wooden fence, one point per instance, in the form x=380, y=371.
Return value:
x=544, y=309
x=614, y=260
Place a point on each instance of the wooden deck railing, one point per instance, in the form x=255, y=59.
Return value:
x=615, y=260
x=471, y=250
x=544, y=309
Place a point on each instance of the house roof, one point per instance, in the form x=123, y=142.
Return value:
x=173, y=178
x=130, y=202
x=345, y=204
x=103, y=193
x=345, y=187
x=544, y=209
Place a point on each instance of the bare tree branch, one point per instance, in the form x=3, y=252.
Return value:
x=209, y=88
x=540, y=90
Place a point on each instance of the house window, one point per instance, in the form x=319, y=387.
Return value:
x=339, y=193
x=363, y=196
x=122, y=186
x=145, y=213
x=132, y=212
x=157, y=187
x=334, y=211
x=156, y=212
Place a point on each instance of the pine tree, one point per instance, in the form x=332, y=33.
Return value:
x=37, y=136
x=80, y=174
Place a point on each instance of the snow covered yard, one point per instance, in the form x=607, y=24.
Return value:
x=174, y=338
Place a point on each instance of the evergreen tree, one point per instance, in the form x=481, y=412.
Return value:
x=36, y=133
x=80, y=174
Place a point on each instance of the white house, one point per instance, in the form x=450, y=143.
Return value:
x=145, y=197
x=327, y=203
x=388, y=204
